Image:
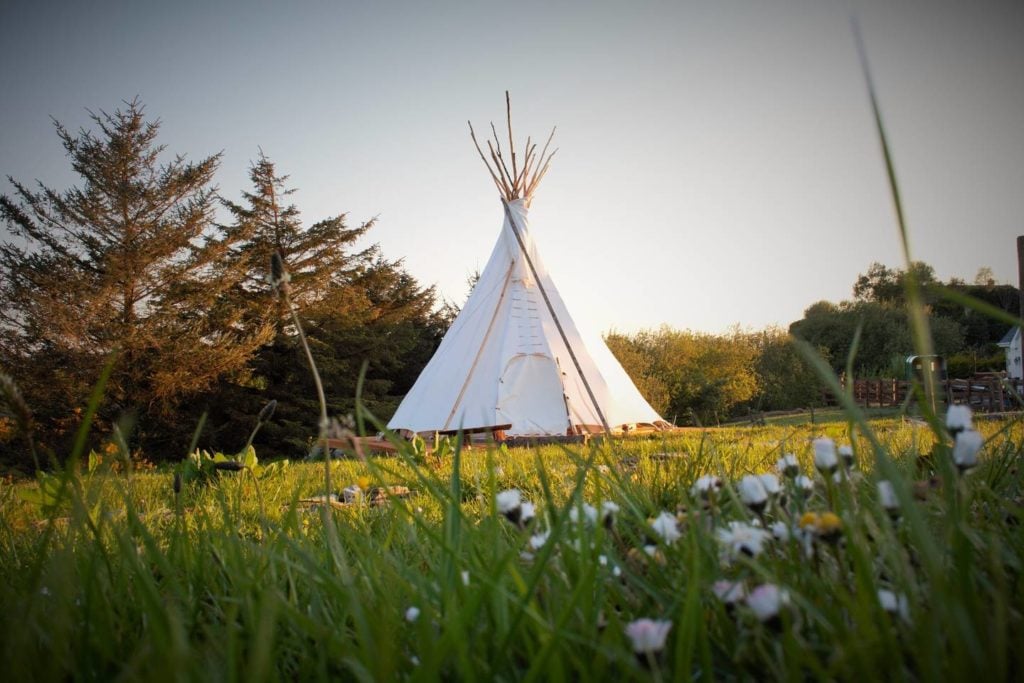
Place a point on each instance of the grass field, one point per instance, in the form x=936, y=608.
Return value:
x=114, y=576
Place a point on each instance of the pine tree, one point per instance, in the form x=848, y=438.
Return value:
x=316, y=256
x=355, y=306
x=121, y=266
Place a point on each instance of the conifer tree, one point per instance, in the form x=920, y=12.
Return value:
x=120, y=266
x=265, y=222
x=355, y=305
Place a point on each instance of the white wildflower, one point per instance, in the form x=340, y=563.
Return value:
x=804, y=483
x=780, y=530
x=958, y=419
x=767, y=600
x=740, y=538
x=770, y=483
x=465, y=577
x=412, y=614
x=894, y=603
x=846, y=454
x=648, y=635
x=705, y=486
x=887, y=497
x=510, y=503
x=537, y=541
x=526, y=513
x=825, y=458
x=788, y=465
x=965, y=449
x=666, y=526
x=603, y=561
x=351, y=494
x=508, y=500
x=806, y=539
x=608, y=511
x=729, y=592
x=752, y=492
x=589, y=514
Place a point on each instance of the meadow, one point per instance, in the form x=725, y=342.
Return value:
x=634, y=564
x=848, y=549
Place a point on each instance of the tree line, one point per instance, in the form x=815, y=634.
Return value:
x=697, y=378
x=129, y=275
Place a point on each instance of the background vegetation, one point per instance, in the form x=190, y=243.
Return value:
x=133, y=267
x=130, y=268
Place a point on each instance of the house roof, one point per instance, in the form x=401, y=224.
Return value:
x=1009, y=336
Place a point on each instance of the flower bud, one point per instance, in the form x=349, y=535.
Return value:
x=887, y=498
x=268, y=411
x=825, y=458
x=965, y=449
x=846, y=454
x=958, y=418
x=608, y=511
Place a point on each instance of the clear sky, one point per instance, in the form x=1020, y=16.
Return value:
x=717, y=162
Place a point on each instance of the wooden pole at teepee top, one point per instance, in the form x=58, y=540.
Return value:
x=521, y=180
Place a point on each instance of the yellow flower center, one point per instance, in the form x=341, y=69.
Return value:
x=829, y=522
x=809, y=519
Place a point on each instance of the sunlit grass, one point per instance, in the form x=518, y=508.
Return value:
x=134, y=581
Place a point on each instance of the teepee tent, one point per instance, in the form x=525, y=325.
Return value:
x=514, y=360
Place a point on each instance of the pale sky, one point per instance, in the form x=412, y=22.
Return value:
x=717, y=165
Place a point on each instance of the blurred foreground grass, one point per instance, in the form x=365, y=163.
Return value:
x=237, y=579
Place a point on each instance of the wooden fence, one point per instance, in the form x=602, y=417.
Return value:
x=990, y=393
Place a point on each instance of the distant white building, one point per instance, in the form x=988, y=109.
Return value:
x=1011, y=342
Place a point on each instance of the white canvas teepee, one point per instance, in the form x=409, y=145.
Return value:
x=514, y=359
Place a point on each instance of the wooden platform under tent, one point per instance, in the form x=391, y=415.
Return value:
x=484, y=436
